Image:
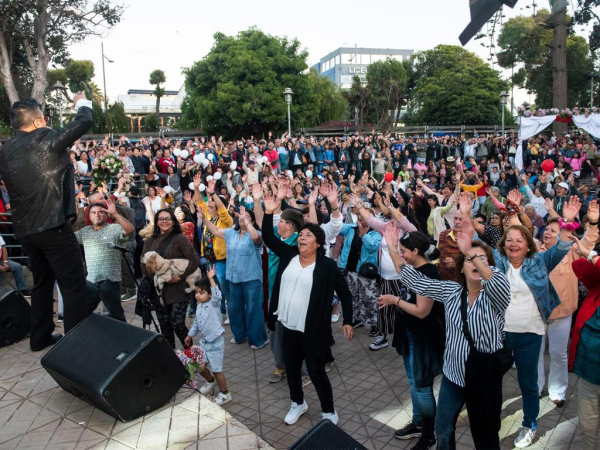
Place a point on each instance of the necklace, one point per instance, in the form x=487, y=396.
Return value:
x=514, y=300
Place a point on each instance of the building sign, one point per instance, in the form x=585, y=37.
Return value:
x=357, y=70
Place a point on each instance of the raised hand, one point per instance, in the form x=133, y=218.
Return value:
x=211, y=272
x=257, y=192
x=242, y=216
x=515, y=197
x=332, y=193
x=210, y=187
x=197, y=180
x=111, y=207
x=571, y=208
x=271, y=203
x=465, y=205
x=312, y=199
x=390, y=234
x=579, y=247
x=549, y=204
x=593, y=212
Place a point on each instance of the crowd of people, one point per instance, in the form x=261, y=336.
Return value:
x=439, y=246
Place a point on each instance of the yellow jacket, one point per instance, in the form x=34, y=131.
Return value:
x=224, y=221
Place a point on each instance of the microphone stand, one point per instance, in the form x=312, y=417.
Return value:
x=145, y=301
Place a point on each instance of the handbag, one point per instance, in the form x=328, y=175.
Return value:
x=368, y=270
x=480, y=363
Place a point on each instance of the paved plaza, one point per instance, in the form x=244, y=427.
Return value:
x=370, y=390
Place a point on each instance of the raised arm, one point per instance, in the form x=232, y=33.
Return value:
x=64, y=138
x=216, y=231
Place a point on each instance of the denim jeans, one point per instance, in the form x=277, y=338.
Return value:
x=220, y=267
x=17, y=270
x=109, y=293
x=526, y=351
x=245, y=312
x=450, y=401
x=423, y=401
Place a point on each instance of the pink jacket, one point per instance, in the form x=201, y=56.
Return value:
x=577, y=163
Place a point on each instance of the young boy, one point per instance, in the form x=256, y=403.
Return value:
x=209, y=322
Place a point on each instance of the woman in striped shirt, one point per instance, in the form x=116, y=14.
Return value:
x=488, y=293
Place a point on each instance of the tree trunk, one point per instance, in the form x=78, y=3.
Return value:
x=559, y=65
x=157, y=101
x=5, y=72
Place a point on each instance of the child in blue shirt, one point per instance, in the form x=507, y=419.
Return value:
x=209, y=322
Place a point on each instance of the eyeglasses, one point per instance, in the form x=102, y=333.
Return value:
x=165, y=219
x=482, y=258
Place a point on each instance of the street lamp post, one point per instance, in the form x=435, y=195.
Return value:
x=104, y=76
x=59, y=88
x=503, y=96
x=288, y=99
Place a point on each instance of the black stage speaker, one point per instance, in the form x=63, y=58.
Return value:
x=15, y=317
x=326, y=436
x=122, y=369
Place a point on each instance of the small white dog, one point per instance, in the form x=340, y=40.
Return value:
x=167, y=269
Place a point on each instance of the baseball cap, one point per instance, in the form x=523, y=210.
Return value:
x=562, y=184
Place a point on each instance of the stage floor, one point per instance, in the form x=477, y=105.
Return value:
x=370, y=391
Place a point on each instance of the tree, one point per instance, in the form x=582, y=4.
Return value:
x=238, y=87
x=453, y=86
x=151, y=122
x=359, y=100
x=99, y=125
x=586, y=12
x=80, y=74
x=43, y=30
x=528, y=41
x=116, y=120
x=329, y=103
x=157, y=77
x=387, y=83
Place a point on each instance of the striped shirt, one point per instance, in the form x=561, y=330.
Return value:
x=485, y=317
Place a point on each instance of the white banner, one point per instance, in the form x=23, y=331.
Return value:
x=530, y=126
x=591, y=124
x=519, y=157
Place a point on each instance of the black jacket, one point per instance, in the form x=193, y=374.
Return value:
x=327, y=278
x=39, y=175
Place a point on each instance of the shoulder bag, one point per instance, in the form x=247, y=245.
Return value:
x=479, y=363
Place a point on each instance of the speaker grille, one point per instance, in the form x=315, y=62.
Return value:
x=15, y=317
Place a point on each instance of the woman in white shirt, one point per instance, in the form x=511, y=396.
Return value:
x=302, y=301
x=84, y=165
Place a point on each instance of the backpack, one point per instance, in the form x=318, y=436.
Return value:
x=140, y=212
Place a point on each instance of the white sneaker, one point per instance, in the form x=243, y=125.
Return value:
x=225, y=319
x=222, y=398
x=335, y=318
x=525, y=437
x=258, y=347
x=295, y=412
x=208, y=388
x=333, y=417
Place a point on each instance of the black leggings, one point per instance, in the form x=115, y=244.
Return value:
x=172, y=321
x=315, y=364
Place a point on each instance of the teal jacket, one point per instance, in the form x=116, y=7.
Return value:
x=370, y=248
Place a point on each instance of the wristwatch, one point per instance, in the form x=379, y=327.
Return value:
x=592, y=255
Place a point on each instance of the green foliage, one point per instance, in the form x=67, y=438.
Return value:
x=37, y=33
x=116, y=120
x=329, y=103
x=55, y=75
x=99, y=126
x=238, y=87
x=151, y=122
x=5, y=129
x=157, y=77
x=586, y=13
x=453, y=86
x=80, y=74
x=387, y=82
x=527, y=41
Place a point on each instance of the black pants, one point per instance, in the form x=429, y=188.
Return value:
x=109, y=293
x=171, y=319
x=54, y=255
x=484, y=406
x=315, y=364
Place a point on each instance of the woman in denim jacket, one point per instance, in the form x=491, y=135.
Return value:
x=531, y=302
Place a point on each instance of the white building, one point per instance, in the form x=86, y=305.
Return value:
x=139, y=103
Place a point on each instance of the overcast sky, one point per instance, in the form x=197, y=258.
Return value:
x=170, y=35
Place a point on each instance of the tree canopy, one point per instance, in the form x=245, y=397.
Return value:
x=586, y=12
x=36, y=32
x=238, y=87
x=451, y=85
x=527, y=41
x=157, y=77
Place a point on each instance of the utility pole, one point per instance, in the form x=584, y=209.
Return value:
x=559, y=59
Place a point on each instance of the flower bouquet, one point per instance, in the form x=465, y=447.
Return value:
x=128, y=179
x=105, y=168
x=193, y=359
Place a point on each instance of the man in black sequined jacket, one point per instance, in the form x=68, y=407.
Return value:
x=38, y=174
